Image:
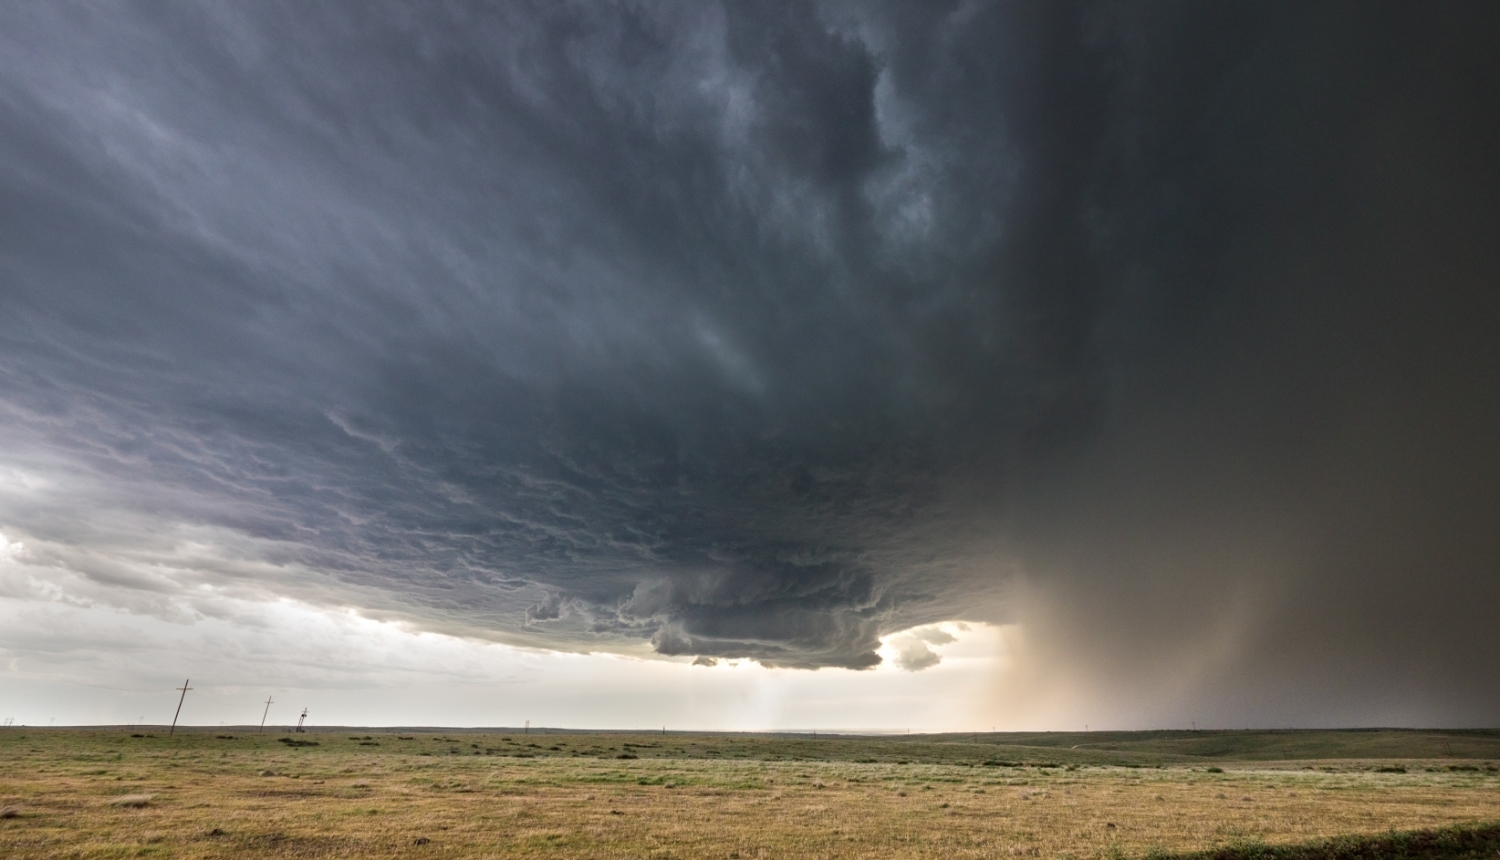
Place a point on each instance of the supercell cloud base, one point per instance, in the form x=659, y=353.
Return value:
x=936, y=366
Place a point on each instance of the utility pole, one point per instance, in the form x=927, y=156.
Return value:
x=300, y=720
x=264, y=713
x=184, y=688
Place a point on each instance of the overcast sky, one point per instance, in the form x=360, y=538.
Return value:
x=751, y=365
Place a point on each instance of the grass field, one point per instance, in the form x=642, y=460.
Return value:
x=365, y=793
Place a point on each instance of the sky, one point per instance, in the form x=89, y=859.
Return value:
x=907, y=366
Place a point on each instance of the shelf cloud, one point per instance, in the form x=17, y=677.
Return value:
x=765, y=331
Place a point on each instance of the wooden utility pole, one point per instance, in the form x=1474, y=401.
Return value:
x=184, y=688
x=264, y=713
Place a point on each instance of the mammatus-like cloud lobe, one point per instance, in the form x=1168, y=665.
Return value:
x=767, y=331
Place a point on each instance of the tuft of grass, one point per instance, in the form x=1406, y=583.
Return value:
x=132, y=801
x=10, y=812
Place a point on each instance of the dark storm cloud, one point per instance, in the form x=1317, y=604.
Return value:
x=763, y=331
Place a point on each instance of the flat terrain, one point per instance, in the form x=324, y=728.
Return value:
x=448, y=794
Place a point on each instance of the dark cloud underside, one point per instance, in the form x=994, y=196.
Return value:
x=763, y=331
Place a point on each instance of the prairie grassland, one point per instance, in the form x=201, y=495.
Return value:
x=87, y=794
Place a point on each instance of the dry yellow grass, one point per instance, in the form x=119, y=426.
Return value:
x=199, y=797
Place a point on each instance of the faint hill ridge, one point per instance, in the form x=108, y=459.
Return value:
x=1260, y=744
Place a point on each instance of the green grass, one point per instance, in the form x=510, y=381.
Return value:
x=1269, y=745
x=1144, y=749
x=1452, y=843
